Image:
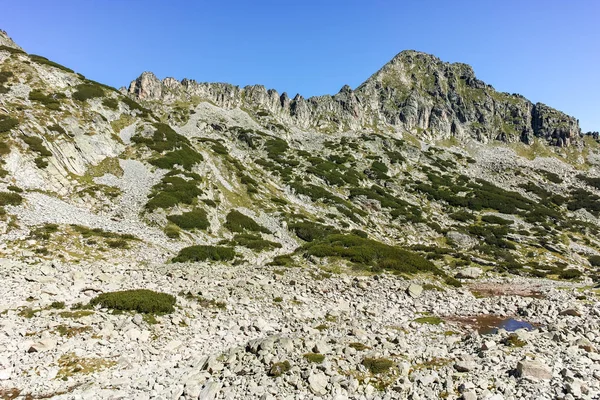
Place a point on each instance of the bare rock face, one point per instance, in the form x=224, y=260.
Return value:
x=415, y=91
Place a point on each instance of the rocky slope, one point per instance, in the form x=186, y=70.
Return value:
x=342, y=247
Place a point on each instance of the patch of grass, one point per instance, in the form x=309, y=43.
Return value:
x=203, y=253
x=86, y=91
x=138, y=300
x=358, y=346
x=70, y=364
x=75, y=314
x=10, y=199
x=238, y=222
x=172, y=231
x=204, y=302
x=513, y=340
x=195, y=219
x=430, y=320
x=57, y=305
x=314, y=357
x=378, y=365
x=71, y=331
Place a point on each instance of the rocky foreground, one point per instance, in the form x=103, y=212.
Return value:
x=243, y=332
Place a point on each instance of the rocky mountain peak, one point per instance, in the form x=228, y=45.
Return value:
x=5, y=40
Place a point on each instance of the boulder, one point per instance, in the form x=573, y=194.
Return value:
x=469, y=273
x=318, y=383
x=414, y=290
x=533, y=370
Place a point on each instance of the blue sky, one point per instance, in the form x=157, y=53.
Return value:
x=549, y=50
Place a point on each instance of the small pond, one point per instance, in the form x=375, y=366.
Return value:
x=488, y=324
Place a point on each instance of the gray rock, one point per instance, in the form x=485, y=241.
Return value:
x=414, y=290
x=534, y=370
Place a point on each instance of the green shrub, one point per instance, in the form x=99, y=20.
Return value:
x=7, y=123
x=463, y=216
x=186, y=157
x=136, y=106
x=202, y=253
x=285, y=260
x=254, y=242
x=371, y=253
x=173, y=190
x=570, y=274
x=10, y=199
x=594, y=260
x=117, y=244
x=111, y=103
x=309, y=231
x=314, y=357
x=380, y=170
x=36, y=144
x=195, y=219
x=45, y=61
x=238, y=222
x=493, y=219
x=11, y=50
x=14, y=188
x=5, y=76
x=138, y=300
x=41, y=162
x=51, y=102
x=378, y=365
x=57, y=128
x=86, y=91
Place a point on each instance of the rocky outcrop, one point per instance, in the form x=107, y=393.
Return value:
x=414, y=91
x=5, y=40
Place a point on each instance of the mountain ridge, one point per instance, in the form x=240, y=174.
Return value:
x=415, y=91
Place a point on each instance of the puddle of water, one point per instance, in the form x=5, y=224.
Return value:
x=490, y=324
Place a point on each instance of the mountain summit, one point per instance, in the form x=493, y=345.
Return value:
x=414, y=92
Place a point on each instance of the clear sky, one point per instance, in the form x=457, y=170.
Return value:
x=547, y=50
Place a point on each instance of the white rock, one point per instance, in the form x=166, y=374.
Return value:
x=318, y=383
x=414, y=290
